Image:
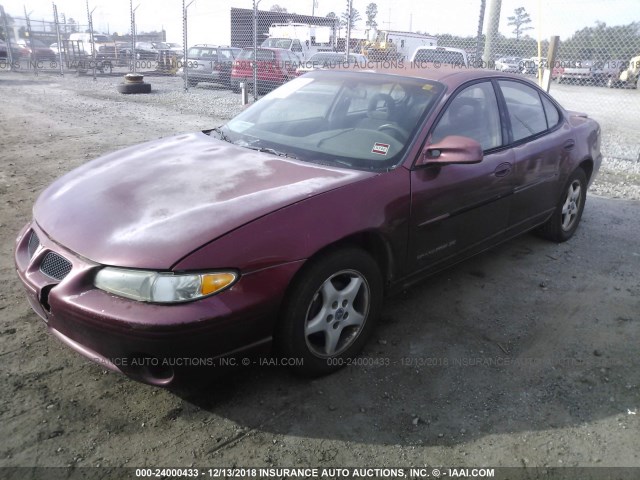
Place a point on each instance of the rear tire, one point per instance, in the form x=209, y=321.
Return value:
x=330, y=311
x=566, y=218
x=133, y=88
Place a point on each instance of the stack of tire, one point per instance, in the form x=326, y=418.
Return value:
x=133, y=83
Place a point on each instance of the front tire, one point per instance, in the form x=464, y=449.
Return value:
x=566, y=218
x=330, y=311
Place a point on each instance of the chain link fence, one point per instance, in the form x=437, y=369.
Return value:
x=255, y=47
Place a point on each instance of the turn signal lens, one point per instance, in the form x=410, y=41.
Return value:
x=213, y=282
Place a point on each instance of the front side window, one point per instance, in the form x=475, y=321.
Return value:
x=524, y=108
x=473, y=113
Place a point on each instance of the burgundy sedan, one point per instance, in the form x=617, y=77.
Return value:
x=288, y=225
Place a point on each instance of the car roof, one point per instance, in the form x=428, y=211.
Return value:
x=267, y=48
x=450, y=76
x=210, y=45
x=442, y=49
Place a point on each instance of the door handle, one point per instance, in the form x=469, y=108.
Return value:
x=502, y=170
x=569, y=144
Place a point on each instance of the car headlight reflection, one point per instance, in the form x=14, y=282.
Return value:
x=162, y=287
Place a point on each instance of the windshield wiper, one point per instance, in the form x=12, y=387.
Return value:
x=223, y=136
x=272, y=152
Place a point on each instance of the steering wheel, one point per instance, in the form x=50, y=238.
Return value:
x=400, y=133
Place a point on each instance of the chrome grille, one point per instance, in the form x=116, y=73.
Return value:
x=34, y=243
x=55, y=266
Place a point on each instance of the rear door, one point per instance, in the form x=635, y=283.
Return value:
x=540, y=143
x=458, y=210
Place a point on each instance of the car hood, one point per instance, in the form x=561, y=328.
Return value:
x=150, y=205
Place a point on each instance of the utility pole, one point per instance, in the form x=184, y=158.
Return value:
x=60, y=47
x=93, y=45
x=349, y=12
x=185, y=60
x=255, y=50
x=32, y=56
x=132, y=66
x=483, y=6
x=492, y=29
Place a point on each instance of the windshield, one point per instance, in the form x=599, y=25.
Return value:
x=202, y=52
x=439, y=56
x=277, y=43
x=356, y=120
x=101, y=39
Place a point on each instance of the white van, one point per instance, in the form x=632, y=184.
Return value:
x=429, y=57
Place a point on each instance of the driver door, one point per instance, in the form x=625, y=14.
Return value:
x=459, y=210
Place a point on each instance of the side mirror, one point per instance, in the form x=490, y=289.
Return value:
x=453, y=149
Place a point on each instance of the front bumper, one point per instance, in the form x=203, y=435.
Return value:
x=152, y=343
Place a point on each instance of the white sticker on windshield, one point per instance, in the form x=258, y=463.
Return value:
x=380, y=148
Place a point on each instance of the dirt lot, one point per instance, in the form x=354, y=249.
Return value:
x=524, y=356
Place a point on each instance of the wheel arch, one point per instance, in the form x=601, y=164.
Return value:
x=587, y=166
x=370, y=241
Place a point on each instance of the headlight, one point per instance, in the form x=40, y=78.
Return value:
x=161, y=287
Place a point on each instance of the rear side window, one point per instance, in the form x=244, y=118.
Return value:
x=263, y=55
x=204, y=53
x=525, y=109
x=225, y=55
x=553, y=117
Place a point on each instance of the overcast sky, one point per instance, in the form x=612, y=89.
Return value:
x=209, y=19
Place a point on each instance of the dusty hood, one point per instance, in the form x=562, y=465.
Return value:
x=149, y=205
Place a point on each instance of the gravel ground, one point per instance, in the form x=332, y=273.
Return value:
x=536, y=364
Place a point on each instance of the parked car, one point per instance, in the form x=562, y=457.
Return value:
x=143, y=51
x=55, y=48
x=176, y=48
x=209, y=63
x=275, y=66
x=436, y=57
x=579, y=72
x=530, y=65
x=331, y=60
x=40, y=51
x=509, y=64
x=629, y=76
x=290, y=223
